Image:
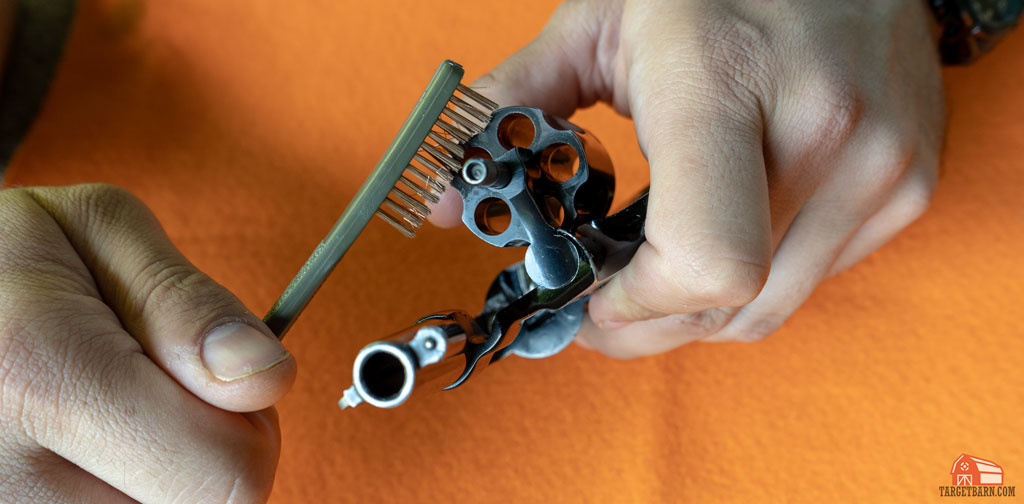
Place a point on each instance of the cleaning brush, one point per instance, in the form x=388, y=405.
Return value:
x=416, y=168
x=439, y=156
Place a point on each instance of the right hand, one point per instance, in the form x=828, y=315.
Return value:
x=786, y=141
x=126, y=374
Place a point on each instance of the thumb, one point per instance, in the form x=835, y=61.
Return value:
x=567, y=66
x=193, y=328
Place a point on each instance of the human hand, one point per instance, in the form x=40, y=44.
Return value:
x=787, y=140
x=126, y=374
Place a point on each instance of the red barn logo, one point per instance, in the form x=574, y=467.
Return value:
x=970, y=471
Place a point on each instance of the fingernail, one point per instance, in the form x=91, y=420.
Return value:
x=235, y=351
x=611, y=325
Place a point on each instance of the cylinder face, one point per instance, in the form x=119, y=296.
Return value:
x=561, y=168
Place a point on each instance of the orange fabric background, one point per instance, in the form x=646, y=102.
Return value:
x=247, y=126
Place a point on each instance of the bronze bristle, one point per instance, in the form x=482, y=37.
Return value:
x=437, y=161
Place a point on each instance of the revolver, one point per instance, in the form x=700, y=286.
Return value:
x=526, y=179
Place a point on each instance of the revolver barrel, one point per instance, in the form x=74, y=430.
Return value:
x=385, y=373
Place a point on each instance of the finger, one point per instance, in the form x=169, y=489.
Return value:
x=909, y=200
x=570, y=64
x=708, y=222
x=559, y=71
x=820, y=232
x=81, y=387
x=46, y=477
x=447, y=212
x=193, y=328
x=650, y=337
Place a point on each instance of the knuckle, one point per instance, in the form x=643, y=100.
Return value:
x=738, y=54
x=893, y=153
x=99, y=203
x=25, y=230
x=913, y=202
x=734, y=45
x=914, y=199
x=171, y=284
x=36, y=259
x=713, y=272
x=716, y=56
x=730, y=282
x=830, y=113
x=104, y=203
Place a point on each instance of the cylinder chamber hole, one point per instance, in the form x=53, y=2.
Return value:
x=516, y=130
x=553, y=211
x=493, y=216
x=559, y=162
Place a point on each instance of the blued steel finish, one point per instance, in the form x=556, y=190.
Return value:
x=550, y=318
x=541, y=175
x=554, y=183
